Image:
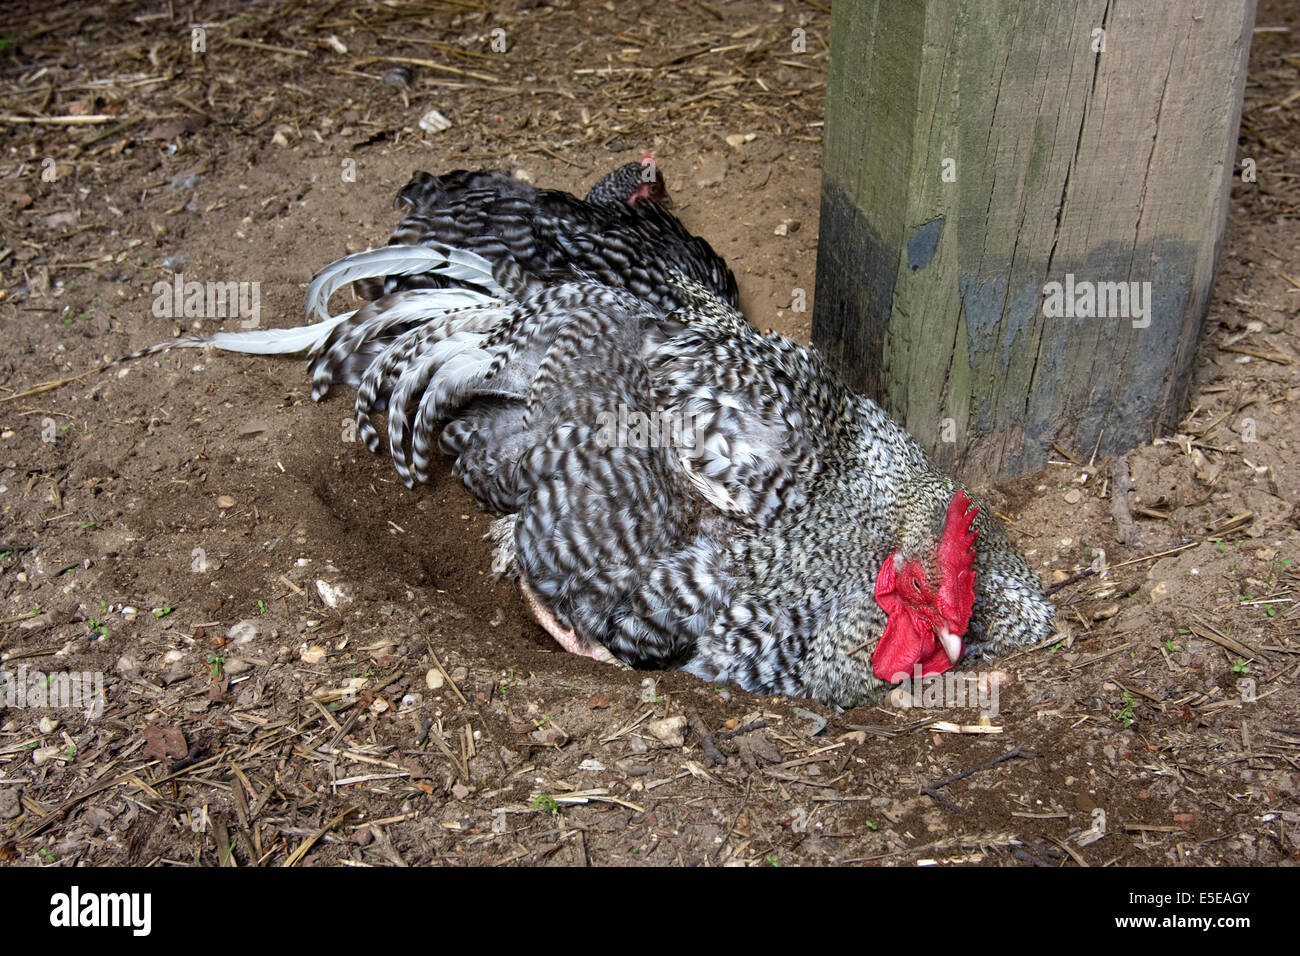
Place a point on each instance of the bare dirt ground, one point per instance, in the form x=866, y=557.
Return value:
x=171, y=520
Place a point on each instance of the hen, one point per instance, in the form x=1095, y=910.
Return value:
x=621, y=234
x=677, y=490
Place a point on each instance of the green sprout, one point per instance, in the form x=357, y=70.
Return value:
x=546, y=804
x=1125, y=716
x=505, y=683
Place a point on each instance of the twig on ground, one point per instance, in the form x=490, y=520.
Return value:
x=934, y=788
x=1126, y=532
x=707, y=745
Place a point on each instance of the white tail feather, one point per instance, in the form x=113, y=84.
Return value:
x=262, y=341
x=400, y=260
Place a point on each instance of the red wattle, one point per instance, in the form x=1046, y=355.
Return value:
x=909, y=640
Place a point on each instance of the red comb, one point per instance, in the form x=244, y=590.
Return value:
x=647, y=158
x=957, y=562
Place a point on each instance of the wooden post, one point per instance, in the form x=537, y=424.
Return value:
x=979, y=151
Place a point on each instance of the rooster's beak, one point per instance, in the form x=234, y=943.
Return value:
x=951, y=644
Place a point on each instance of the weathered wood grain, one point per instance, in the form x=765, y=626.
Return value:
x=1068, y=163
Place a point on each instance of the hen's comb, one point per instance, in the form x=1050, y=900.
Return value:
x=957, y=560
x=647, y=158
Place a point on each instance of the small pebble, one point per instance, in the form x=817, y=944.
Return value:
x=44, y=755
x=670, y=730
x=434, y=122
x=332, y=594
x=399, y=76
x=1105, y=612
x=243, y=632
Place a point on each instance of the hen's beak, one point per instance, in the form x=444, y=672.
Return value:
x=951, y=644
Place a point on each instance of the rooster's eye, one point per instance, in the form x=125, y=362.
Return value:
x=916, y=585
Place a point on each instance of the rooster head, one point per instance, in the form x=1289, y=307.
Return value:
x=928, y=602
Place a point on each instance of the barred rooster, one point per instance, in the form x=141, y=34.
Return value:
x=675, y=489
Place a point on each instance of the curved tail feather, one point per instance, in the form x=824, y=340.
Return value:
x=455, y=264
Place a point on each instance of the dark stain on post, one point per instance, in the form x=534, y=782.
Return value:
x=849, y=327
x=923, y=243
x=1099, y=377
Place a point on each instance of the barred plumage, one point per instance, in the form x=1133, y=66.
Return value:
x=782, y=533
x=621, y=234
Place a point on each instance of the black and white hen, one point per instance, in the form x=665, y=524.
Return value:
x=621, y=235
x=676, y=489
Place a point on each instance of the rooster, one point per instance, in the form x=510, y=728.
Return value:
x=676, y=490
